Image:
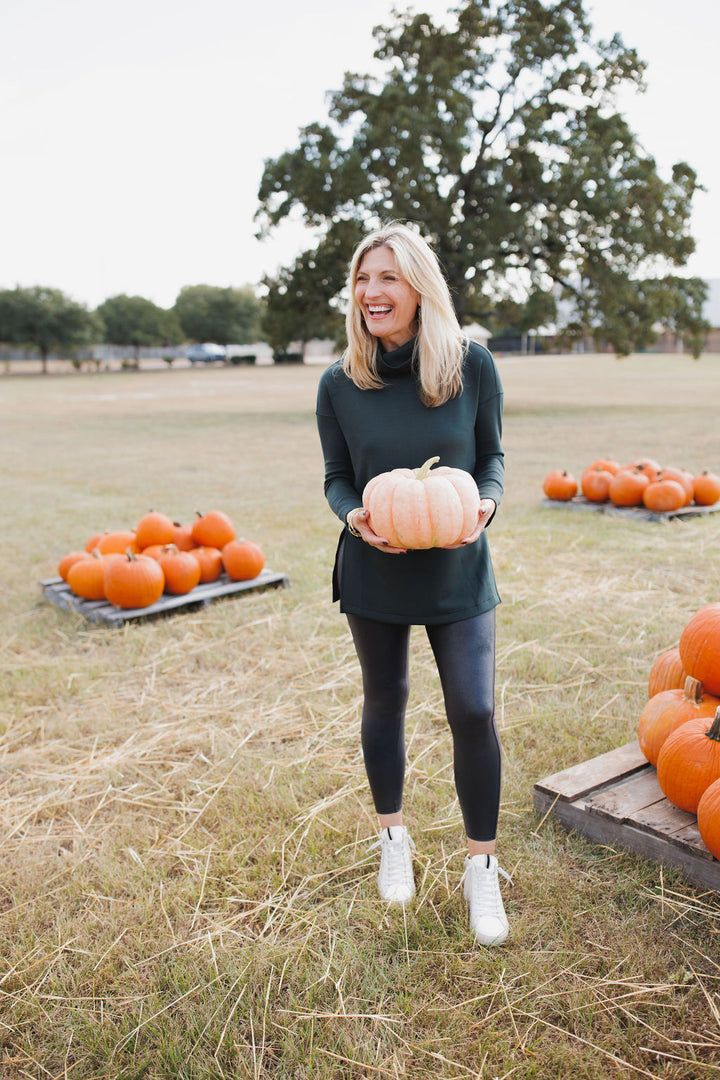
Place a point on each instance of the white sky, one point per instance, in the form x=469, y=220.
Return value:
x=133, y=134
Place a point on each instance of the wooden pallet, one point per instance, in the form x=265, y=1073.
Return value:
x=58, y=592
x=632, y=513
x=615, y=799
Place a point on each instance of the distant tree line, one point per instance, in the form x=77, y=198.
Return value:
x=50, y=321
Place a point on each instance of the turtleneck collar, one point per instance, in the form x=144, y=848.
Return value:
x=397, y=361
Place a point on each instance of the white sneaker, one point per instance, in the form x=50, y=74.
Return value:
x=482, y=891
x=395, y=880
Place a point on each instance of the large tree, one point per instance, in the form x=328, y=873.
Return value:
x=46, y=319
x=136, y=321
x=498, y=133
x=224, y=315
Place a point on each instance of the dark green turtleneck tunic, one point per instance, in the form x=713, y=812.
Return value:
x=366, y=432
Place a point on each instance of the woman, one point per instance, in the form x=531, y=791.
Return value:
x=410, y=387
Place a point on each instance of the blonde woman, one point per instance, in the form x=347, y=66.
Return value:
x=410, y=386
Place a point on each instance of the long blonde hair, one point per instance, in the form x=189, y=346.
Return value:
x=441, y=344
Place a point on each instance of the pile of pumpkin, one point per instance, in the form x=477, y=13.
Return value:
x=679, y=728
x=131, y=568
x=642, y=482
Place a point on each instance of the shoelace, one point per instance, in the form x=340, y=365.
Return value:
x=393, y=856
x=483, y=886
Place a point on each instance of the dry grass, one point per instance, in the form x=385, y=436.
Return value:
x=185, y=884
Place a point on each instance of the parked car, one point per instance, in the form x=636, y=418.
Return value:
x=206, y=353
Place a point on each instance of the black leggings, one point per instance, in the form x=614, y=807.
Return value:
x=465, y=656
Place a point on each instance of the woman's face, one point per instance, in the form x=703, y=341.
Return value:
x=389, y=305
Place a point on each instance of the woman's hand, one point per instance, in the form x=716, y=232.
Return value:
x=357, y=520
x=487, y=509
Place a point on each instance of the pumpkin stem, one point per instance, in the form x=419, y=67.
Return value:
x=713, y=732
x=130, y=554
x=172, y=548
x=693, y=690
x=423, y=471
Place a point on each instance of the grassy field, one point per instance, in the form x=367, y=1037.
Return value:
x=186, y=889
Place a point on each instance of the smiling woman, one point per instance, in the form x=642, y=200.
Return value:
x=411, y=387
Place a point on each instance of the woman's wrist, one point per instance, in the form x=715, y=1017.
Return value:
x=349, y=521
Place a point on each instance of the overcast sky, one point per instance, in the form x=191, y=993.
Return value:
x=134, y=134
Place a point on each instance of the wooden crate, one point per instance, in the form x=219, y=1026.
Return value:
x=631, y=513
x=615, y=799
x=58, y=592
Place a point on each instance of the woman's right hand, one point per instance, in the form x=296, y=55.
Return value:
x=358, y=519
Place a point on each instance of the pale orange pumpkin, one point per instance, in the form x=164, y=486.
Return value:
x=416, y=509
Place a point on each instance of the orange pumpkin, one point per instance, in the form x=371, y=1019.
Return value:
x=708, y=818
x=595, y=483
x=154, y=551
x=214, y=529
x=560, y=485
x=666, y=673
x=154, y=528
x=689, y=762
x=627, y=487
x=418, y=508
x=211, y=564
x=683, y=477
x=86, y=577
x=669, y=709
x=663, y=495
x=706, y=488
x=606, y=464
x=700, y=647
x=94, y=540
x=134, y=581
x=182, y=537
x=69, y=560
x=647, y=465
x=117, y=543
x=242, y=559
x=181, y=570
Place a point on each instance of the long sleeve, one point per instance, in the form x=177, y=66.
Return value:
x=340, y=489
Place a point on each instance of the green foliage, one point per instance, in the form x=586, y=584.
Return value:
x=46, y=319
x=498, y=133
x=225, y=315
x=136, y=321
x=300, y=300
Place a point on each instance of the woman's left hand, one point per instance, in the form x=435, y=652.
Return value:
x=487, y=509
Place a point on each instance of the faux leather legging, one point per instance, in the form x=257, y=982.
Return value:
x=465, y=655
